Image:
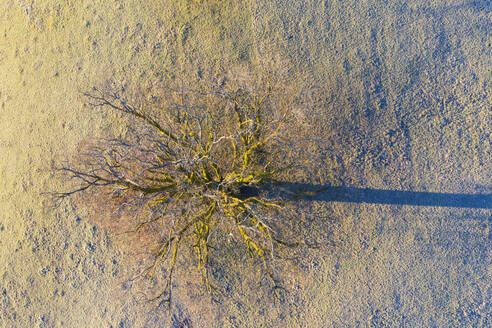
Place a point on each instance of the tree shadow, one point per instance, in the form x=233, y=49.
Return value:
x=326, y=193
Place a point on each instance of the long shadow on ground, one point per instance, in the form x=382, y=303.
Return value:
x=295, y=191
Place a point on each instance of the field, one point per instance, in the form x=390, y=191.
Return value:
x=396, y=116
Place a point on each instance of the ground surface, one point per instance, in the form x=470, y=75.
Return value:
x=400, y=99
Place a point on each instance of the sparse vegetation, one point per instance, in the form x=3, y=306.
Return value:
x=191, y=167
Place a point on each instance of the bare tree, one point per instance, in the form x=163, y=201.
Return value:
x=192, y=165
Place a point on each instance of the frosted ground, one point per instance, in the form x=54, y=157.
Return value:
x=399, y=99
